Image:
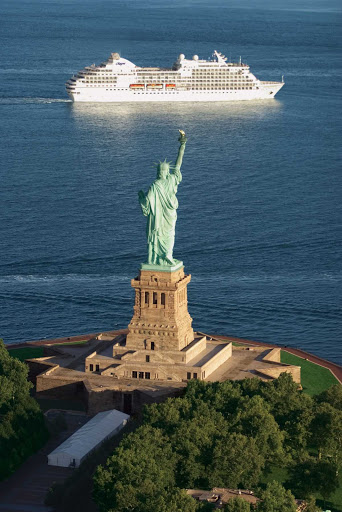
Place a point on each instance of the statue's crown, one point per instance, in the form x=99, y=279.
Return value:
x=164, y=166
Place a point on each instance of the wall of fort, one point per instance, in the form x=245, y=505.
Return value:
x=36, y=367
x=274, y=371
x=216, y=361
x=193, y=350
x=54, y=386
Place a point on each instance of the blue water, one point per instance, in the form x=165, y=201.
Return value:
x=259, y=221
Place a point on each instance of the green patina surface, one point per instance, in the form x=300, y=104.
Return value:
x=160, y=205
x=315, y=378
x=162, y=268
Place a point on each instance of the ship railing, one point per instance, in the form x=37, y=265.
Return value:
x=237, y=64
x=270, y=83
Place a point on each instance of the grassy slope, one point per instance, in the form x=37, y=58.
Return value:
x=26, y=352
x=31, y=352
x=82, y=342
x=315, y=379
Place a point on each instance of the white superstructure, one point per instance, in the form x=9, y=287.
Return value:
x=118, y=79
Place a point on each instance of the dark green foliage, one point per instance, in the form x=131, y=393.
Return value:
x=276, y=499
x=237, y=505
x=332, y=396
x=255, y=420
x=236, y=462
x=326, y=432
x=140, y=473
x=311, y=505
x=222, y=435
x=311, y=476
x=22, y=427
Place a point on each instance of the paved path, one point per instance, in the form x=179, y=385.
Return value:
x=25, y=490
x=65, y=339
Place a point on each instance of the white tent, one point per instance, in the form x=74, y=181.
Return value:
x=74, y=449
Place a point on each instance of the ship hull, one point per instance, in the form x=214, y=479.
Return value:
x=267, y=90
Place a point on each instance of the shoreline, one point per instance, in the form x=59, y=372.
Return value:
x=334, y=368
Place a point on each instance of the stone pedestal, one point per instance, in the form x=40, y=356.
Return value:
x=161, y=320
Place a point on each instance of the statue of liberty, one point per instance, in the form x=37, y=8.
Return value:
x=160, y=205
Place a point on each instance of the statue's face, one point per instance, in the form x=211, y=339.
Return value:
x=163, y=171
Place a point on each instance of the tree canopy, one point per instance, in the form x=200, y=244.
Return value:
x=223, y=435
x=276, y=499
x=237, y=505
x=22, y=427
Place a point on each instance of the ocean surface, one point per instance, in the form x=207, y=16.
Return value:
x=259, y=219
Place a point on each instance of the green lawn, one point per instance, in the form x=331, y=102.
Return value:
x=281, y=474
x=31, y=352
x=81, y=342
x=26, y=352
x=315, y=379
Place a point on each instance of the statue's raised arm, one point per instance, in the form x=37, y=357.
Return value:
x=182, y=139
x=160, y=205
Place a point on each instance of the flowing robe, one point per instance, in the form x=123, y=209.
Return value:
x=160, y=206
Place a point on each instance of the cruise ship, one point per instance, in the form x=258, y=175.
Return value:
x=118, y=80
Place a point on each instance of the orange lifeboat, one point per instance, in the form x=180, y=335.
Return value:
x=154, y=86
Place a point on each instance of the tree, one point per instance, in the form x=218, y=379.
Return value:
x=332, y=396
x=13, y=380
x=221, y=396
x=255, y=421
x=311, y=476
x=237, y=505
x=326, y=433
x=175, y=500
x=252, y=386
x=310, y=505
x=22, y=426
x=292, y=410
x=236, y=461
x=276, y=499
x=283, y=396
x=194, y=441
x=141, y=468
x=168, y=415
